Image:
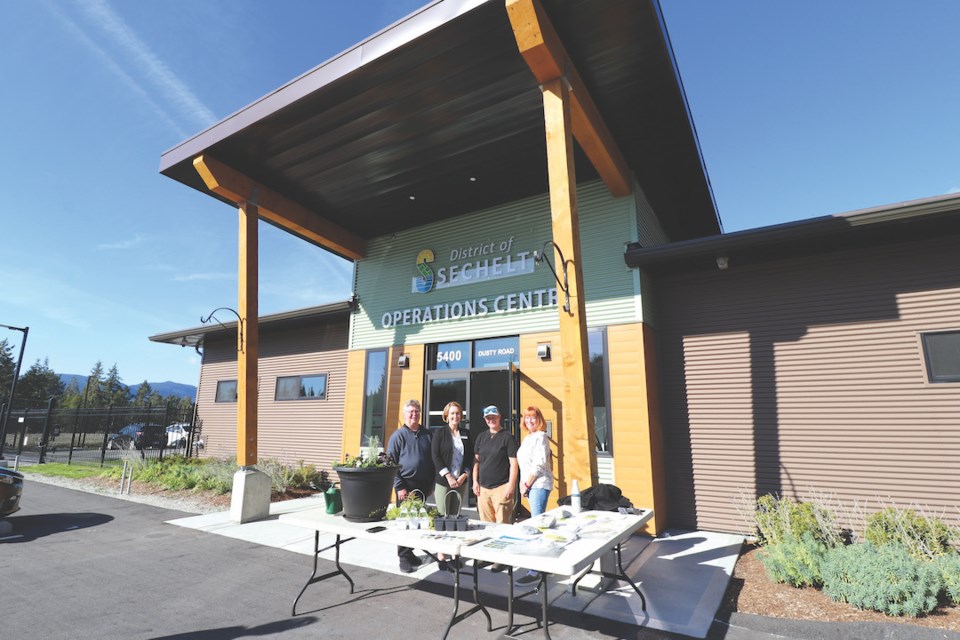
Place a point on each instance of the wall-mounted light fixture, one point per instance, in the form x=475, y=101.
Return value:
x=543, y=351
x=239, y=322
x=403, y=361
x=723, y=262
x=540, y=256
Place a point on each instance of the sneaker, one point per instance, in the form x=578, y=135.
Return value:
x=414, y=560
x=497, y=567
x=405, y=566
x=530, y=577
x=442, y=565
x=453, y=564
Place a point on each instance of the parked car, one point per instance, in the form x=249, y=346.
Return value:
x=138, y=436
x=11, y=488
x=177, y=434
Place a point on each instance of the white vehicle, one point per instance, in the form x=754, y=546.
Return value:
x=177, y=434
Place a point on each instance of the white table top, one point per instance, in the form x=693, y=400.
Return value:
x=598, y=531
x=446, y=542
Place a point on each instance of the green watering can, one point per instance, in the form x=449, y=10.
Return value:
x=334, y=500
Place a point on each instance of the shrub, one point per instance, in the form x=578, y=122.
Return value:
x=795, y=561
x=285, y=477
x=924, y=537
x=886, y=579
x=949, y=565
x=782, y=519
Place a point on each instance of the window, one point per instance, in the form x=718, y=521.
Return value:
x=597, y=346
x=941, y=351
x=226, y=391
x=312, y=387
x=374, y=397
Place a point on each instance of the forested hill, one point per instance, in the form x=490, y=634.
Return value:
x=163, y=388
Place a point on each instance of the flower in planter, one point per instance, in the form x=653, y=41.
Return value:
x=370, y=456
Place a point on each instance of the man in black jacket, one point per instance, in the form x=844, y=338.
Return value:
x=410, y=447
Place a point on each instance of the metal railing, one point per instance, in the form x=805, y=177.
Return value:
x=49, y=434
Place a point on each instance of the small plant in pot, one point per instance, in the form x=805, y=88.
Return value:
x=366, y=483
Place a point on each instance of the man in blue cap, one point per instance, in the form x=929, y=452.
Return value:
x=495, y=470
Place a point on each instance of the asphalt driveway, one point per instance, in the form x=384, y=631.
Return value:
x=85, y=565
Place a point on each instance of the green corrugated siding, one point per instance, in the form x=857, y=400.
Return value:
x=384, y=277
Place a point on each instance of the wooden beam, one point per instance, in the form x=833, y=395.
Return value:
x=542, y=49
x=578, y=436
x=248, y=337
x=279, y=209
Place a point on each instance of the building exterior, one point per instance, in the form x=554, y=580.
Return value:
x=591, y=290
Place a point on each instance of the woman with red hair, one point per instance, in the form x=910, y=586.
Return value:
x=536, y=471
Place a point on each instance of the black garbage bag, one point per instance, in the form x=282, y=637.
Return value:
x=601, y=497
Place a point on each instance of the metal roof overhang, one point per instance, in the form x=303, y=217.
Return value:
x=439, y=115
x=902, y=222
x=283, y=320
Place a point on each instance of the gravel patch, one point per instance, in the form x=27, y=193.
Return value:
x=176, y=500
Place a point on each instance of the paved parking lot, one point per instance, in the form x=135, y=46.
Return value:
x=86, y=565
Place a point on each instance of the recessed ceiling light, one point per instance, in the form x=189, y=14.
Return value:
x=413, y=197
x=472, y=179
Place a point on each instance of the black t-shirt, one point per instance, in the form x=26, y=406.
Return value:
x=495, y=451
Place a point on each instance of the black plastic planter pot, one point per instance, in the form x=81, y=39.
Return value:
x=366, y=492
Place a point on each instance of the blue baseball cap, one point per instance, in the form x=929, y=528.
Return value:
x=491, y=411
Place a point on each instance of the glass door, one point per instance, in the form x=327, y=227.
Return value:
x=444, y=387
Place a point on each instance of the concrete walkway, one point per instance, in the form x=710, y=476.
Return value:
x=682, y=574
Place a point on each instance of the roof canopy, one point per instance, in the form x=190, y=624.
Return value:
x=439, y=115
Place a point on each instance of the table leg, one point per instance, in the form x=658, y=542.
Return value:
x=620, y=576
x=541, y=588
x=456, y=617
x=314, y=577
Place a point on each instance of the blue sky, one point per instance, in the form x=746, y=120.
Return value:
x=803, y=109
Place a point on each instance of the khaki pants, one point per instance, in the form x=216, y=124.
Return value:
x=492, y=506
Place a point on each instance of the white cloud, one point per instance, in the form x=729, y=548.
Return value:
x=195, y=277
x=123, y=244
x=953, y=190
x=127, y=57
x=149, y=66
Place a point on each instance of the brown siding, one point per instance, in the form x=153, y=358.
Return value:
x=808, y=374
x=294, y=430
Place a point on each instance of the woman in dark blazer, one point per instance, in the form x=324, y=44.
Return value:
x=452, y=452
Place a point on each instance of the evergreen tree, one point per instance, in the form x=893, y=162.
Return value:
x=71, y=397
x=7, y=366
x=95, y=392
x=117, y=394
x=37, y=386
x=143, y=392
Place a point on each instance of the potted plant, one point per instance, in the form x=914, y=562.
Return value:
x=366, y=483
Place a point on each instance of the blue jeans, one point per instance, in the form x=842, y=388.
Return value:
x=538, y=501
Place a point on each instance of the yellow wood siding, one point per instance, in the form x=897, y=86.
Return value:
x=402, y=385
x=353, y=410
x=634, y=416
x=541, y=385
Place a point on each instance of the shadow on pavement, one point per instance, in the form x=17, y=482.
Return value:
x=229, y=633
x=29, y=528
x=359, y=595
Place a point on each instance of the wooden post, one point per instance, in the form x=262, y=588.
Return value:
x=248, y=337
x=578, y=432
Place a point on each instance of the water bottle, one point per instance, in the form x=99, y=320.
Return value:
x=404, y=516
x=575, y=497
x=424, y=520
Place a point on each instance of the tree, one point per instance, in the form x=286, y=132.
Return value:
x=7, y=366
x=94, y=392
x=143, y=392
x=71, y=397
x=37, y=386
x=116, y=391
